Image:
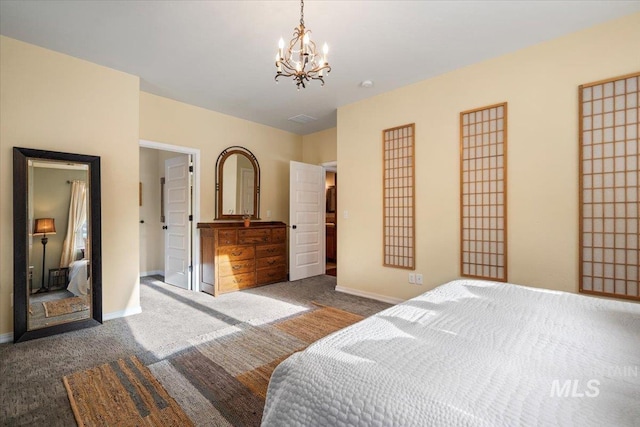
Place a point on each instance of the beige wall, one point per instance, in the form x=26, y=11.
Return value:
x=320, y=147
x=171, y=122
x=55, y=102
x=540, y=84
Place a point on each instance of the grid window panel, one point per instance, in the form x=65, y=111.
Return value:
x=609, y=192
x=483, y=192
x=399, y=197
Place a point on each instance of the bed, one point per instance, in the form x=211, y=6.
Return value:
x=470, y=353
x=78, y=278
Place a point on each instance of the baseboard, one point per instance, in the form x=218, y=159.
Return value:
x=8, y=337
x=369, y=295
x=122, y=313
x=152, y=273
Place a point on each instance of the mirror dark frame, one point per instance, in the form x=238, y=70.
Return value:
x=226, y=153
x=21, y=156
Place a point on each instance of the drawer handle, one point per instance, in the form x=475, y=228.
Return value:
x=236, y=253
x=273, y=261
x=236, y=267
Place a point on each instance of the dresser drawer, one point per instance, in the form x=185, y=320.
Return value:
x=263, y=251
x=271, y=261
x=227, y=237
x=239, y=281
x=279, y=235
x=273, y=274
x=235, y=253
x=231, y=268
x=258, y=235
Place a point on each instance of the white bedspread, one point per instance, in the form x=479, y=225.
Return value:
x=78, y=281
x=470, y=353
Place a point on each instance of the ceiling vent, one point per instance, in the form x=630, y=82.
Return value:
x=301, y=118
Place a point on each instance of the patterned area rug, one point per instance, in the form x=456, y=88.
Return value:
x=122, y=393
x=220, y=380
x=65, y=306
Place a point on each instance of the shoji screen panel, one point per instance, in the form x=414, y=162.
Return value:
x=399, y=196
x=483, y=192
x=609, y=192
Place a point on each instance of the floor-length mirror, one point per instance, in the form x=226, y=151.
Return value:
x=57, y=283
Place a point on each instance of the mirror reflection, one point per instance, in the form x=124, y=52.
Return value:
x=238, y=186
x=59, y=283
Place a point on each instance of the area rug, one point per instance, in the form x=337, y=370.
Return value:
x=65, y=306
x=222, y=379
x=122, y=393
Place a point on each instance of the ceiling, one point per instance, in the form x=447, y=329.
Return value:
x=220, y=54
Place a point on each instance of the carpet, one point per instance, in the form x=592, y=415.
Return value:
x=222, y=379
x=60, y=307
x=122, y=393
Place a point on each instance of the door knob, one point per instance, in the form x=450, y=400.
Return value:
x=164, y=227
x=294, y=226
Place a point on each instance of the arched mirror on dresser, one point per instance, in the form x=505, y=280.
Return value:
x=237, y=184
x=57, y=277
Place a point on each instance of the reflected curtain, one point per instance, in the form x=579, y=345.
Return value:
x=77, y=217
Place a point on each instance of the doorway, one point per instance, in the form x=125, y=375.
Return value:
x=331, y=217
x=169, y=206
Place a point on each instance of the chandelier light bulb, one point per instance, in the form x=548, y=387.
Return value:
x=325, y=51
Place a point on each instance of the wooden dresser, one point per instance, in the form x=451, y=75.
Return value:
x=235, y=257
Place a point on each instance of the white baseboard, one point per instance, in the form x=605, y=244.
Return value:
x=369, y=295
x=152, y=273
x=8, y=337
x=122, y=313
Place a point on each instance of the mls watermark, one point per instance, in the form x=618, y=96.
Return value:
x=575, y=388
x=590, y=388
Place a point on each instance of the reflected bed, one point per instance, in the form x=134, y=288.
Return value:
x=78, y=278
x=470, y=353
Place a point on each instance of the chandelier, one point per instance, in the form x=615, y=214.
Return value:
x=300, y=60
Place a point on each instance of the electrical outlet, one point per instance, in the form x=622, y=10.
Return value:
x=419, y=279
x=412, y=278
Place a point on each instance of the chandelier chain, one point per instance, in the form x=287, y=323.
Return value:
x=302, y=12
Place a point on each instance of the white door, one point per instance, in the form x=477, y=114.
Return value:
x=306, y=217
x=177, y=237
x=246, y=192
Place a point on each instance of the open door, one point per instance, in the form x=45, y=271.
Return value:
x=307, y=220
x=177, y=239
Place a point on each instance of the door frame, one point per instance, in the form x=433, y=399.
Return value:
x=195, y=236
